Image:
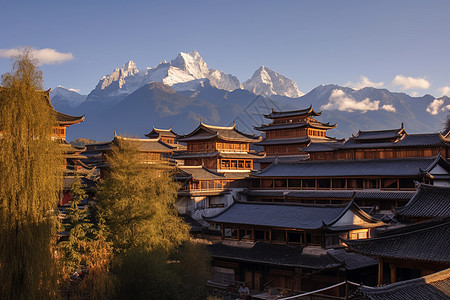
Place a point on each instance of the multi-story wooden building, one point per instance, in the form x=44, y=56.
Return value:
x=290, y=132
x=383, y=144
x=380, y=183
x=213, y=168
x=223, y=149
x=408, y=252
x=291, y=246
x=167, y=136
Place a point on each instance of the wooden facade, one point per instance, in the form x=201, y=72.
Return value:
x=290, y=132
x=384, y=144
x=218, y=148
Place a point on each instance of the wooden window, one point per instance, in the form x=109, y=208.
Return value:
x=295, y=237
x=241, y=164
x=338, y=183
x=294, y=183
x=406, y=183
x=248, y=164
x=389, y=183
x=267, y=183
x=278, y=236
x=309, y=184
x=280, y=183
x=324, y=183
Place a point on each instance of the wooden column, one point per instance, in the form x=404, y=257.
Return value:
x=380, y=272
x=393, y=273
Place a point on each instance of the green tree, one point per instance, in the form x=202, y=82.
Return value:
x=136, y=200
x=155, y=258
x=30, y=183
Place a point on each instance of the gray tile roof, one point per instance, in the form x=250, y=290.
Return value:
x=409, y=140
x=148, y=145
x=202, y=173
x=275, y=254
x=204, y=132
x=428, y=202
x=435, y=286
x=299, y=140
x=282, y=114
x=351, y=260
x=426, y=241
x=269, y=127
x=337, y=168
x=379, y=134
x=283, y=158
x=283, y=215
x=156, y=133
x=385, y=195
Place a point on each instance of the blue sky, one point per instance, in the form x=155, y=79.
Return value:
x=311, y=42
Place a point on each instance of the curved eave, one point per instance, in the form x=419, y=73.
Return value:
x=72, y=120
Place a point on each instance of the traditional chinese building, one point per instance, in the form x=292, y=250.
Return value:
x=435, y=286
x=408, y=252
x=383, y=144
x=380, y=183
x=290, y=246
x=151, y=150
x=213, y=168
x=167, y=136
x=290, y=132
x=428, y=202
x=223, y=149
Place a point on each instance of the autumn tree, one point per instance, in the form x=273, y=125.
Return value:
x=137, y=202
x=30, y=184
x=155, y=258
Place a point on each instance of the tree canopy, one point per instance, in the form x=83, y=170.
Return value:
x=30, y=184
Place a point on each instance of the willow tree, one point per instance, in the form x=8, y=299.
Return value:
x=30, y=180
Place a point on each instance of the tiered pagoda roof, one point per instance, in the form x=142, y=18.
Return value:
x=146, y=145
x=157, y=133
x=362, y=167
x=429, y=201
x=435, y=286
x=308, y=124
x=426, y=241
x=301, y=112
x=234, y=155
x=206, y=132
x=394, y=138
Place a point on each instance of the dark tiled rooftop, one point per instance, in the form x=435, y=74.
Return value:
x=426, y=241
x=274, y=254
x=435, y=286
x=203, y=132
x=428, y=202
x=285, y=215
x=363, y=167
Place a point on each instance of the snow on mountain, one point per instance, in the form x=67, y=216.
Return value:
x=266, y=82
x=185, y=68
x=62, y=97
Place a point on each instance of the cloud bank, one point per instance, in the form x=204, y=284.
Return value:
x=445, y=91
x=44, y=56
x=408, y=83
x=364, y=82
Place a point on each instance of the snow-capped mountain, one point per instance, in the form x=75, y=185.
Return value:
x=63, y=98
x=266, y=82
x=185, y=71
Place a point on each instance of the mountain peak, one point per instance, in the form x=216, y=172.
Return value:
x=266, y=82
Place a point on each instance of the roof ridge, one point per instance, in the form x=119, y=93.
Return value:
x=384, y=237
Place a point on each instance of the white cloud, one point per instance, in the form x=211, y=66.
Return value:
x=445, y=91
x=340, y=101
x=446, y=108
x=364, y=82
x=434, y=106
x=74, y=90
x=414, y=94
x=411, y=82
x=389, y=107
x=44, y=56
